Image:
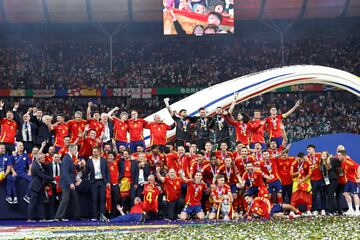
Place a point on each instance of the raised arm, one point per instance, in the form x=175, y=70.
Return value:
x=2, y=111
x=232, y=106
x=166, y=101
x=111, y=112
x=297, y=104
x=88, y=111
x=158, y=175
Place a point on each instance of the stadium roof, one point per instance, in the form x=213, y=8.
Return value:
x=82, y=11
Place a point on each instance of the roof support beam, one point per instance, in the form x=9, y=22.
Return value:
x=2, y=11
x=345, y=9
x=46, y=10
x=262, y=9
x=130, y=11
x=89, y=11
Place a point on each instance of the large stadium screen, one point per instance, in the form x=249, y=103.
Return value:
x=198, y=17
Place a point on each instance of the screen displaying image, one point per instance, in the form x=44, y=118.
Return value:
x=198, y=17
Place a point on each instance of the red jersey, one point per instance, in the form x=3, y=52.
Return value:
x=269, y=168
x=97, y=126
x=275, y=152
x=49, y=158
x=155, y=160
x=194, y=193
x=218, y=193
x=75, y=128
x=127, y=169
x=273, y=126
x=158, y=132
x=257, y=132
x=243, y=130
x=260, y=207
x=315, y=167
x=63, y=151
x=283, y=168
x=255, y=178
x=61, y=131
x=209, y=171
x=86, y=147
x=230, y=174
x=8, y=131
x=137, y=208
x=172, y=161
x=173, y=188
x=221, y=155
x=136, y=128
x=240, y=163
x=350, y=168
x=120, y=130
x=151, y=195
x=114, y=172
x=185, y=165
x=303, y=167
x=198, y=167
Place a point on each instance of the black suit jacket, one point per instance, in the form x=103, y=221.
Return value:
x=43, y=133
x=34, y=130
x=134, y=170
x=67, y=175
x=90, y=169
x=38, y=177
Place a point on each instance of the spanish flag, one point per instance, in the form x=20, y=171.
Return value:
x=125, y=187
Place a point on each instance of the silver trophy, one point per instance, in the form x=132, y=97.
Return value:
x=225, y=208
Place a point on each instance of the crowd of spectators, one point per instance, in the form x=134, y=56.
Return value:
x=164, y=63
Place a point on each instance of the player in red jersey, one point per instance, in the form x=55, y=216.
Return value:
x=269, y=167
x=257, y=130
x=94, y=121
x=237, y=152
x=275, y=150
x=172, y=160
x=76, y=127
x=151, y=194
x=274, y=123
x=195, y=190
x=136, y=127
x=223, y=152
x=65, y=148
x=261, y=207
x=120, y=127
x=283, y=165
x=113, y=165
x=49, y=156
x=184, y=161
x=89, y=142
x=232, y=178
x=253, y=179
x=317, y=180
x=172, y=186
x=61, y=130
x=9, y=124
x=241, y=124
x=208, y=150
x=211, y=170
x=301, y=172
x=222, y=197
x=352, y=175
x=257, y=152
x=155, y=158
x=198, y=165
x=158, y=130
x=242, y=159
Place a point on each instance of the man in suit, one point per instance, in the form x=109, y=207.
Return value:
x=37, y=188
x=43, y=124
x=27, y=133
x=128, y=173
x=98, y=170
x=67, y=184
x=53, y=169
